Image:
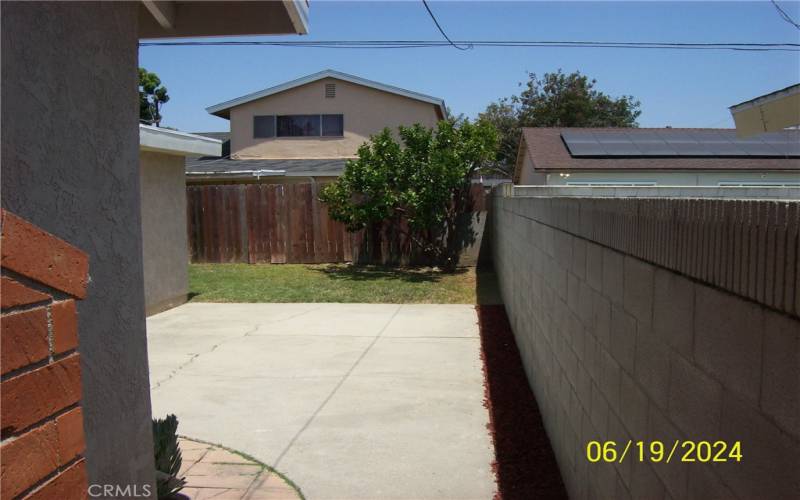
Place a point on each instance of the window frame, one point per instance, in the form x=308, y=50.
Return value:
x=274, y=127
x=306, y=115
x=322, y=125
x=320, y=120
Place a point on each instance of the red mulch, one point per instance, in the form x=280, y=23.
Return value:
x=525, y=465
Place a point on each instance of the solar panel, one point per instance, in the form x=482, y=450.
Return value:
x=773, y=137
x=577, y=136
x=757, y=147
x=679, y=143
x=684, y=144
x=727, y=149
x=620, y=148
x=586, y=149
x=791, y=148
x=616, y=143
x=581, y=143
x=655, y=149
x=650, y=143
x=784, y=144
x=718, y=142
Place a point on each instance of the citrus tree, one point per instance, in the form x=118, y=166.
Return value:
x=418, y=185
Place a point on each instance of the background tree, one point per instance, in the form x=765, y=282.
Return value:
x=556, y=100
x=152, y=96
x=419, y=186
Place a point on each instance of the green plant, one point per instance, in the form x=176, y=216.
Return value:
x=152, y=96
x=556, y=100
x=168, y=457
x=418, y=187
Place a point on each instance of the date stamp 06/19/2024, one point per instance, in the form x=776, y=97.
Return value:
x=664, y=452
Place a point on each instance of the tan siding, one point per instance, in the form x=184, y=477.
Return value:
x=528, y=176
x=366, y=112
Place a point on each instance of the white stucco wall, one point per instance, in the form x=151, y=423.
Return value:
x=164, y=238
x=665, y=178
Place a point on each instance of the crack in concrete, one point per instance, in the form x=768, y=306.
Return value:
x=198, y=354
x=249, y=332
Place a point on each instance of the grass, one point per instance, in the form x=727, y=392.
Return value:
x=331, y=283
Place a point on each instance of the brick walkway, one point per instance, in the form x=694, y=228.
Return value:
x=214, y=472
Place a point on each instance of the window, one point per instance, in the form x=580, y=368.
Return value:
x=305, y=126
x=330, y=90
x=263, y=126
x=298, y=126
x=332, y=125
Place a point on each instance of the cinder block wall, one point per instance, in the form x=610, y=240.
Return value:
x=659, y=319
x=42, y=420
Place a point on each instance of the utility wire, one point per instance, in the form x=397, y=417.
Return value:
x=784, y=15
x=410, y=44
x=467, y=47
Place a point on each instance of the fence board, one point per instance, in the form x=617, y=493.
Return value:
x=279, y=234
x=283, y=223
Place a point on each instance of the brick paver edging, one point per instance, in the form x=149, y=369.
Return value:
x=213, y=470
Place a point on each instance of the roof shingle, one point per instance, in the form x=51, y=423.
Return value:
x=549, y=153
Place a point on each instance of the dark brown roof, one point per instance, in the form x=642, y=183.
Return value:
x=549, y=153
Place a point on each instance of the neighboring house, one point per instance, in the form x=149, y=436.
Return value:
x=70, y=151
x=308, y=127
x=162, y=156
x=768, y=113
x=656, y=157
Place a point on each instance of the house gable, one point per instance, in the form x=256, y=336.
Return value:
x=365, y=110
x=223, y=109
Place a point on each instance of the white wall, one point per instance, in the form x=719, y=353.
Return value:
x=164, y=240
x=664, y=178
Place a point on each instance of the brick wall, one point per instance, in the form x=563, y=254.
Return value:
x=42, y=422
x=659, y=319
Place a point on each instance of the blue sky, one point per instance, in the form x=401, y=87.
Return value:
x=680, y=88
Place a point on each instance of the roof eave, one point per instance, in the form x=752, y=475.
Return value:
x=518, y=163
x=298, y=13
x=778, y=94
x=222, y=108
x=177, y=143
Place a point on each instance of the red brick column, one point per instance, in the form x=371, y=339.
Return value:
x=41, y=455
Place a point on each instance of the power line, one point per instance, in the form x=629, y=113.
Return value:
x=425, y=3
x=784, y=15
x=411, y=44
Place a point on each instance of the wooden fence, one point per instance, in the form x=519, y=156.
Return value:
x=280, y=223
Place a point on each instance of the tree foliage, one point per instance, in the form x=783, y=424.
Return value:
x=556, y=100
x=419, y=185
x=152, y=96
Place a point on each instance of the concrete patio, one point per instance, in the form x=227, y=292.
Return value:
x=348, y=400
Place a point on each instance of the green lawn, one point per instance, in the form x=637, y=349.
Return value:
x=330, y=283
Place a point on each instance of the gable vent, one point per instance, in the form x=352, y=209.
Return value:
x=330, y=90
